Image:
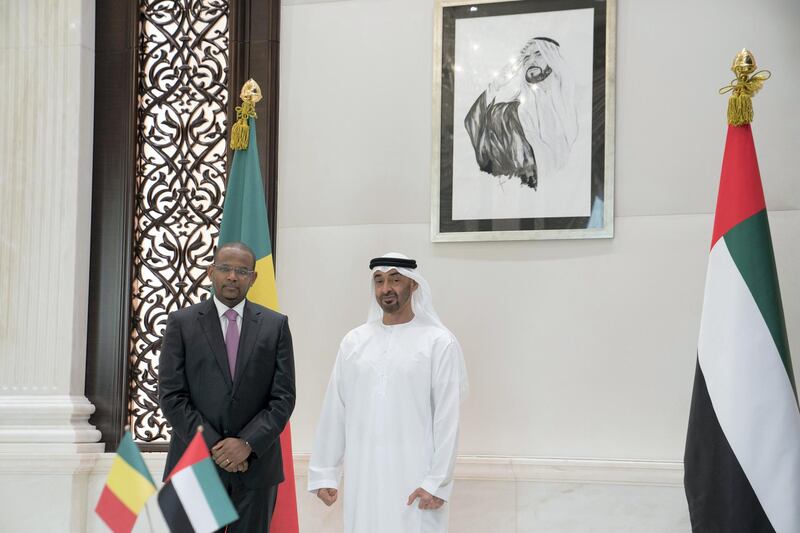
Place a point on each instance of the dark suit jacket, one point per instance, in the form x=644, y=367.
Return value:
x=195, y=385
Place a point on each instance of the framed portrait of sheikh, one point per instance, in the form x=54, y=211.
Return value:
x=523, y=120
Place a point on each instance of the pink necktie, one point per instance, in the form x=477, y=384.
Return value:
x=232, y=339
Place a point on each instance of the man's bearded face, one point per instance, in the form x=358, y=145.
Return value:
x=536, y=69
x=393, y=290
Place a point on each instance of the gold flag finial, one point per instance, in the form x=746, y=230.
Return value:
x=747, y=83
x=240, y=132
x=744, y=63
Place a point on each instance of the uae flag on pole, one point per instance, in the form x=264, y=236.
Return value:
x=742, y=460
x=193, y=499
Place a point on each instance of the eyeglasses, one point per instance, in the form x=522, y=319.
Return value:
x=240, y=272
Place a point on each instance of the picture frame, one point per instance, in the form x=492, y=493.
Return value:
x=523, y=120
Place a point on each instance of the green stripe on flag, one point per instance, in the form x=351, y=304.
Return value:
x=244, y=215
x=130, y=453
x=217, y=498
x=750, y=246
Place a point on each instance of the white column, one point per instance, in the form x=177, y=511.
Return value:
x=47, y=445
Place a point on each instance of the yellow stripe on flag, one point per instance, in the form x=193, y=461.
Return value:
x=127, y=484
x=263, y=291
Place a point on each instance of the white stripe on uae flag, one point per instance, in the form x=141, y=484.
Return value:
x=194, y=501
x=750, y=390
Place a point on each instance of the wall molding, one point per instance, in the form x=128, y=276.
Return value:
x=468, y=467
x=556, y=469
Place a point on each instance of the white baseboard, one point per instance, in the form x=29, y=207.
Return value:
x=489, y=468
x=555, y=469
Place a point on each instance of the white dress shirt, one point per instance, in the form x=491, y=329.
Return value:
x=223, y=320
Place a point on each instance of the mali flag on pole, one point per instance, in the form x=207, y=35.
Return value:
x=244, y=219
x=742, y=461
x=128, y=487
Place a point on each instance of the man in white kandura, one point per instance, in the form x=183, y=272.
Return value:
x=391, y=411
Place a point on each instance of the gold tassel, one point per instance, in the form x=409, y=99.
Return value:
x=743, y=88
x=740, y=110
x=240, y=132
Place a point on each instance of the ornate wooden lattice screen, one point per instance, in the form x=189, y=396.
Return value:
x=179, y=181
x=157, y=179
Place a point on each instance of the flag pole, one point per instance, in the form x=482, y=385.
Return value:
x=742, y=457
x=149, y=519
x=146, y=506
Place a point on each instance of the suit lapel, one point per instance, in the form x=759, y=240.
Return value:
x=209, y=321
x=251, y=323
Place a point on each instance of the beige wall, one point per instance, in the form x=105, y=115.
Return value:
x=575, y=348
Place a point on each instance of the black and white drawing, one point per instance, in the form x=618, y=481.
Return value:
x=525, y=123
x=522, y=115
x=523, y=120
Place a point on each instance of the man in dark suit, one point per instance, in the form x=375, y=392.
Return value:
x=227, y=364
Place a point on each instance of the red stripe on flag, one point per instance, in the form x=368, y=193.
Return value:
x=114, y=513
x=284, y=519
x=196, y=451
x=740, y=193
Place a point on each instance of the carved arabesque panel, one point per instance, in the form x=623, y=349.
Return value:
x=180, y=180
